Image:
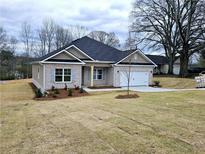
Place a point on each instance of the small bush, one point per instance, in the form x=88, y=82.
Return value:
x=66, y=87
x=45, y=94
x=77, y=87
x=54, y=95
x=81, y=90
x=52, y=88
x=10, y=77
x=56, y=91
x=38, y=93
x=70, y=92
x=156, y=83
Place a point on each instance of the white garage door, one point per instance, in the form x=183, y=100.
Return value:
x=136, y=79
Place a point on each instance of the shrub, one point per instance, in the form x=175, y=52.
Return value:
x=38, y=93
x=81, y=90
x=156, y=83
x=70, y=92
x=77, y=87
x=45, y=94
x=56, y=91
x=66, y=87
x=9, y=77
x=54, y=95
x=52, y=88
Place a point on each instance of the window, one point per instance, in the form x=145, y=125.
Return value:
x=67, y=75
x=62, y=75
x=98, y=74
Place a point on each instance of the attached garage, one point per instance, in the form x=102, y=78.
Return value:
x=136, y=78
x=139, y=75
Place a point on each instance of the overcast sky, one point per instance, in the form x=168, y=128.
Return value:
x=106, y=15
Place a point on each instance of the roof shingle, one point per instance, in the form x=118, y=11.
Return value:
x=94, y=49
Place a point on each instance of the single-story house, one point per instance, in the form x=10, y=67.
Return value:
x=87, y=62
x=163, y=64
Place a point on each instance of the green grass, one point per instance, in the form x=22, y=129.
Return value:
x=176, y=82
x=171, y=122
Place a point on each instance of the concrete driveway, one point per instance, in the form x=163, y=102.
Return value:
x=141, y=89
x=149, y=89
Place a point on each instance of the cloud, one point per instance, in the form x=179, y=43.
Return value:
x=106, y=15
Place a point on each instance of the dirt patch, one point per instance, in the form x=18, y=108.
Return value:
x=127, y=96
x=62, y=93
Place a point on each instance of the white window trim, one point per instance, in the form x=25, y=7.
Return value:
x=38, y=75
x=97, y=73
x=63, y=75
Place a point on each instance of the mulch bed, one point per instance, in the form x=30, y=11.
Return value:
x=62, y=94
x=127, y=96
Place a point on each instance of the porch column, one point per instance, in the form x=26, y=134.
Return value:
x=91, y=75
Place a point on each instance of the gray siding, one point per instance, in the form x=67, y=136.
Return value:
x=63, y=55
x=117, y=69
x=37, y=76
x=50, y=75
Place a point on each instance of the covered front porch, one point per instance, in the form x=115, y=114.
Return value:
x=97, y=75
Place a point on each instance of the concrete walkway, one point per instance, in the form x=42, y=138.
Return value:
x=141, y=89
x=98, y=90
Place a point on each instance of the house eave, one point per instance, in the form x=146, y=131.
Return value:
x=98, y=61
x=122, y=65
x=71, y=63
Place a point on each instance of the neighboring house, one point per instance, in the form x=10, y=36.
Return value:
x=87, y=62
x=163, y=64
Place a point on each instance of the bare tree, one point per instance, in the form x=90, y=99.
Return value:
x=13, y=43
x=52, y=36
x=152, y=25
x=42, y=42
x=127, y=73
x=131, y=41
x=62, y=36
x=49, y=32
x=77, y=31
x=189, y=16
x=27, y=37
x=3, y=38
x=106, y=38
x=177, y=26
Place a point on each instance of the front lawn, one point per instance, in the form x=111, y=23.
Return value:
x=176, y=82
x=171, y=122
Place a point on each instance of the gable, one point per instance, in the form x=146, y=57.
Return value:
x=63, y=57
x=78, y=54
x=135, y=58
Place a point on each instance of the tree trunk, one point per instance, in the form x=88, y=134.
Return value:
x=184, y=60
x=171, y=63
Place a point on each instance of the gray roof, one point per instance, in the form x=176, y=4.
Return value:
x=94, y=49
x=159, y=60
